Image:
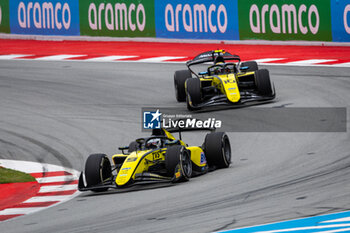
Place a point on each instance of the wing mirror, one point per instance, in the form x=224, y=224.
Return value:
x=244, y=68
x=203, y=73
x=123, y=148
x=140, y=140
x=174, y=142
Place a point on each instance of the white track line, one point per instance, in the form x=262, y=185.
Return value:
x=48, y=198
x=109, y=58
x=305, y=228
x=25, y=210
x=33, y=167
x=55, y=188
x=13, y=56
x=346, y=64
x=310, y=61
x=334, y=231
x=165, y=59
x=159, y=59
x=346, y=219
x=55, y=179
x=57, y=57
x=265, y=60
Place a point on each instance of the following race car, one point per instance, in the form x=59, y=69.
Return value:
x=158, y=158
x=226, y=81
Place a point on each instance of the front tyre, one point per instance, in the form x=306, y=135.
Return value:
x=180, y=78
x=194, y=96
x=178, y=163
x=97, y=171
x=253, y=66
x=217, y=150
x=263, y=83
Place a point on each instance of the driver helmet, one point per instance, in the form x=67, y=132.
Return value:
x=219, y=60
x=228, y=69
x=219, y=70
x=153, y=143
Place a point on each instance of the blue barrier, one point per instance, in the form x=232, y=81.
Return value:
x=340, y=11
x=208, y=19
x=43, y=17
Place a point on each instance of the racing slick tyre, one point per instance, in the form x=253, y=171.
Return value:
x=217, y=150
x=178, y=163
x=253, y=66
x=97, y=170
x=263, y=83
x=193, y=89
x=180, y=78
x=133, y=146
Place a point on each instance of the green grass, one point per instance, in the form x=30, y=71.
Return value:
x=12, y=176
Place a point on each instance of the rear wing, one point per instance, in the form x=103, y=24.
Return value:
x=212, y=56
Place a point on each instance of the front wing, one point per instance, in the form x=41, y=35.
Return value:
x=246, y=97
x=140, y=178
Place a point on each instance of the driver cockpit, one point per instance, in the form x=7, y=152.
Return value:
x=153, y=143
x=222, y=68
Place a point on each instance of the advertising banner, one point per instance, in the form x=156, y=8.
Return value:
x=285, y=20
x=289, y=119
x=4, y=16
x=341, y=20
x=117, y=18
x=44, y=17
x=197, y=19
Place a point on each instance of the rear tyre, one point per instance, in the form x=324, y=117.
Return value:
x=97, y=170
x=180, y=78
x=217, y=150
x=253, y=66
x=193, y=89
x=178, y=163
x=263, y=83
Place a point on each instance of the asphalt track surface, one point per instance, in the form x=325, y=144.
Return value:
x=60, y=112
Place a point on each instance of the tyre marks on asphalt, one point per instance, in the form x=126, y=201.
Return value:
x=57, y=184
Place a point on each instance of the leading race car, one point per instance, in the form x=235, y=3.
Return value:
x=160, y=157
x=226, y=81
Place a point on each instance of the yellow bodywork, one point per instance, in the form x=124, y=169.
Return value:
x=138, y=162
x=227, y=84
x=197, y=156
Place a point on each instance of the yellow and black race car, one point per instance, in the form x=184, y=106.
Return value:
x=227, y=81
x=158, y=158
